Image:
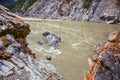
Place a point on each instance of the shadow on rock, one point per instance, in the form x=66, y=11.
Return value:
x=105, y=64
x=50, y=39
x=17, y=62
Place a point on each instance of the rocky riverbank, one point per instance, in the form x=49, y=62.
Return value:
x=105, y=64
x=105, y=11
x=17, y=62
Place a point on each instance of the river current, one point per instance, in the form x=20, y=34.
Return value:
x=78, y=42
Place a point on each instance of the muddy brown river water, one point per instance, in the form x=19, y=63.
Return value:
x=78, y=42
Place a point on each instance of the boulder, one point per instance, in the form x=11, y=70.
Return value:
x=50, y=39
x=105, y=64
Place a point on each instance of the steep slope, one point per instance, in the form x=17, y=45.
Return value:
x=17, y=62
x=18, y=6
x=105, y=64
x=78, y=10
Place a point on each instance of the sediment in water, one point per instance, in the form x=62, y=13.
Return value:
x=17, y=62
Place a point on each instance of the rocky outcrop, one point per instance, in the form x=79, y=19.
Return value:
x=50, y=39
x=105, y=64
x=107, y=11
x=17, y=62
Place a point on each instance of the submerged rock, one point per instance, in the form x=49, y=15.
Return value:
x=17, y=62
x=106, y=61
x=48, y=57
x=50, y=39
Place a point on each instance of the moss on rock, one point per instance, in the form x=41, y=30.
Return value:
x=16, y=59
x=86, y=3
x=16, y=29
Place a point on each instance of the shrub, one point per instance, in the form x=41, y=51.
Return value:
x=25, y=4
x=85, y=3
x=118, y=2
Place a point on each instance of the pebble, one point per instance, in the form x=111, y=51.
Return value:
x=48, y=57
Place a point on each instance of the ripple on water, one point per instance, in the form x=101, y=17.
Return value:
x=78, y=41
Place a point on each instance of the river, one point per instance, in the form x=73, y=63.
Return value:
x=78, y=43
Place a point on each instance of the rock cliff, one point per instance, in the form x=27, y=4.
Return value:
x=17, y=62
x=105, y=64
x=106, y=11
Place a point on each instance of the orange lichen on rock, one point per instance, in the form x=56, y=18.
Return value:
x=20, y=21
x=90, y=76
x=113, y=40
x=12, y=29
x=11, y=17
x=114, y=36
x=102, y=49
x=105, y=64
x=93, y=65
x=17, y=61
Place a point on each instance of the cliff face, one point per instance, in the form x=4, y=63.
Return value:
x=17, y=62
x=79, y=10
x=18, y=6
x=105, y=64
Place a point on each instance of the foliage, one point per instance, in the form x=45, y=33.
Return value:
x=23, y=5
x=86, y=3
x=118, y=2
